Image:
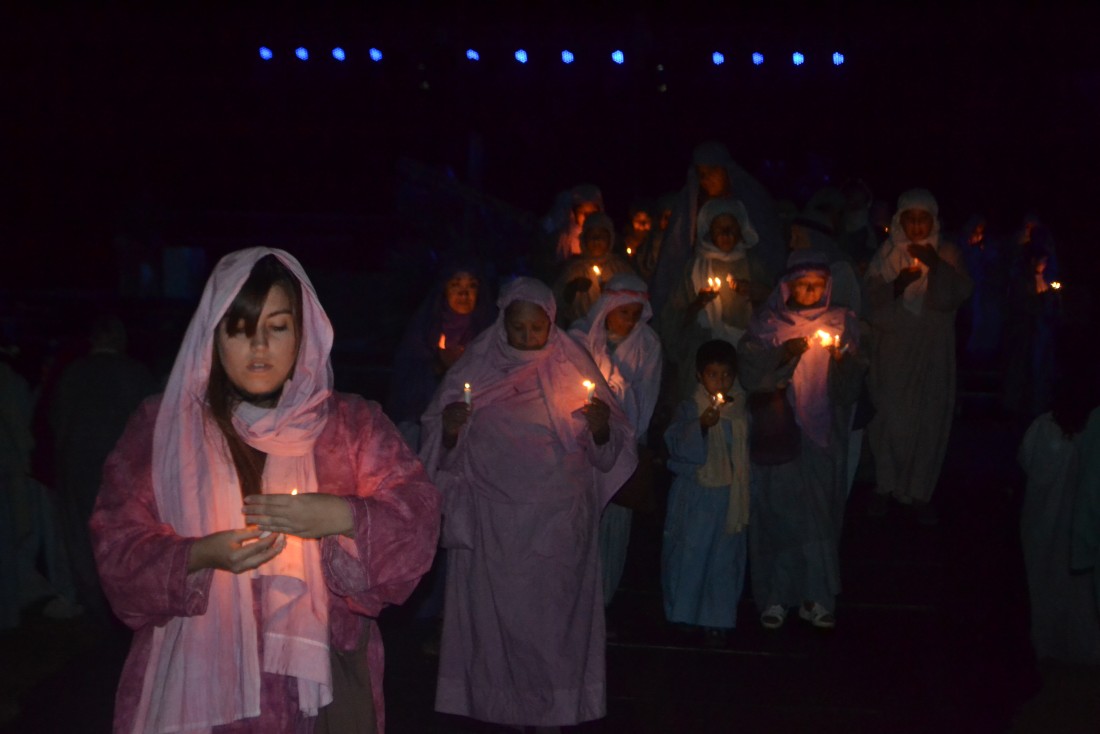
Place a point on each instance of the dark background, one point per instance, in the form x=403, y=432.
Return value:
x=162, y=125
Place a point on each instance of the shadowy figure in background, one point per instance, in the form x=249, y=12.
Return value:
x=458, y=308
x=1035, y=317
x=1065, y=622
x=645, y=260
x=566, y=220
x=915, y=284
x=91, y=404
x=581, y=279
x=713, y=174
x=983, y=321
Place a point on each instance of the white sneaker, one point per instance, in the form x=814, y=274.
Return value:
x=818, y=616
x=773, y=617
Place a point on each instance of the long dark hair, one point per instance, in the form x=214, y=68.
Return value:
x=221, y=396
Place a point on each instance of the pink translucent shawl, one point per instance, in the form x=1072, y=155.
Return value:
x=493, y=368
x=205, y=671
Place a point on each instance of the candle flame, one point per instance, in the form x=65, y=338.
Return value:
x=294, y=491
x=589, y=385
x=442, y=341
x=629, y=251
x=596, y=270
x=826, y=338
x=466, y=386
x=1055, y=284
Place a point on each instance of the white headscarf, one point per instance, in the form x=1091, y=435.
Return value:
x=706, y=253
x=893, y=256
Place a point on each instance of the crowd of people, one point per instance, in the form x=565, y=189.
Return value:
x=251, y=521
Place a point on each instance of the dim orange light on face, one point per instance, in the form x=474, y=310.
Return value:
x=442, y=341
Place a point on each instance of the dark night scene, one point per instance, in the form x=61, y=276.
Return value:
x=552, y=368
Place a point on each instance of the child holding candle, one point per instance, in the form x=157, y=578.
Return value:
x=798, y=505
x=582, y=277
x=617, y=336
x=252, y=522
x=704, y=553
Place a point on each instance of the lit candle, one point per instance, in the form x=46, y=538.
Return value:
x=596, y=271
x=294, y=491
x=467, y=395
x=629, y=251
x=442, y=341
x=1056, y=285
x=825, y=337
x=717, y=400
x=591, y=388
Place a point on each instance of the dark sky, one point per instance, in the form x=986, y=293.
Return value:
x=114, y=113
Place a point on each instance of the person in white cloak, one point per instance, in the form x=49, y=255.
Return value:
x=617, y=335
x=915, y=284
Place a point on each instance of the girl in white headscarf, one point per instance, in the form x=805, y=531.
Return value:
x=717, y=290
x=915, y=284
x=617, y=335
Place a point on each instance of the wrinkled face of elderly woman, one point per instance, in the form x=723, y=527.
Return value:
x=725, y=232
x=807, y=290
x=917, y=224
x=526, y=325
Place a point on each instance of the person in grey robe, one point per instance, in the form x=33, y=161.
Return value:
x=915, y=284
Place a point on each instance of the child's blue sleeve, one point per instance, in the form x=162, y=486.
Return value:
x=687, y=447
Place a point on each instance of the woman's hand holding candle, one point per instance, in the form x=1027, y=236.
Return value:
x=598, y=415
x=314, y=515
x=455, y=416
x=235, y=551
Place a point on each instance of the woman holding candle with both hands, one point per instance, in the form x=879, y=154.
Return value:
x=252, y=522
x=525, y=472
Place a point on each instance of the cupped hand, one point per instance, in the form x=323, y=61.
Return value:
x=925, y=253
x=709, y=417
x=313, y=515
x=794, y=347
x=455, y=416
x=235, y=551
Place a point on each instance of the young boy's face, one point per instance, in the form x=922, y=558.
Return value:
x=717, y=377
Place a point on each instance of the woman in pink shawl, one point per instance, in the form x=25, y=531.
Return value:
x=252, y=522
x=798, y=506
x=525, y=463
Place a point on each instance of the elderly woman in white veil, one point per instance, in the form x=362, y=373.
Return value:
x=915, y=283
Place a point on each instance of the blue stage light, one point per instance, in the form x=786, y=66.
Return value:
x=265, y=53
x=718, y=58
x=617, y=57
x=338, y=54
x=301, y=53
x=375, y=54
x=838, y=58
x=567, y=57
x=798, y=58
x=473, y=55
x=521, y=56
x=757, y=59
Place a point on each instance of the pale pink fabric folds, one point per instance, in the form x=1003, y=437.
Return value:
x=205, y=670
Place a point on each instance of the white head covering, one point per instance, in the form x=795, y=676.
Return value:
x=893, y=256
x=706, y=253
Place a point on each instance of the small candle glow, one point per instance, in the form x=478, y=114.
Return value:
x=826, y=338
x=467, y=395
x=442, y=341
x=718, y=399
x=596, y=270
x=294, y=491
x=591, y=388
x=630, y=251
x=1056, y=285
x=714, y=284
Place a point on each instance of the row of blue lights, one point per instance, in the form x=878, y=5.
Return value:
x=567, y=57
